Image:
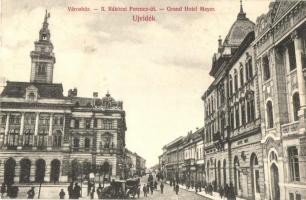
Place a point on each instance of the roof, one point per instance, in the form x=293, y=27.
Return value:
x=240, y=28
x=45, y=90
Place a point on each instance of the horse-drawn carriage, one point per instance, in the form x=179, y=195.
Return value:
x=121, y=189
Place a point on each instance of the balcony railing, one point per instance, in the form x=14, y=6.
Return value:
x=290, y=128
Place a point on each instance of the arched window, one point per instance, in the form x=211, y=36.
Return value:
x=250, y=106
x=269, y=110
x=236, y=80
x=255, y=174
x=236, y=175
x=230, y=86
x=241, y=76
x=296, y=105
x=237, y=118
x=250, y=68
x=242, y=105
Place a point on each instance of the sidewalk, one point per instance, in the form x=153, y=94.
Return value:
x=215, y=196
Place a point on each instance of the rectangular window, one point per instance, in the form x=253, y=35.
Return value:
x=291, y=54
x=266, y=68
x=243, y=113
x=107, y=124
x=294, y=163
x=95, y=123
x=237, y=116
x=76, y=123
x=87, y=123
x=298, y=197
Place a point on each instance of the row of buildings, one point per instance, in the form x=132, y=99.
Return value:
x=254, y=111
x=46, y=136
x=136, y=165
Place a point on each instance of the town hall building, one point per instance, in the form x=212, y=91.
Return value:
x=46, y=136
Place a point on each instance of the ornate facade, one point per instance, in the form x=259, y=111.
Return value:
x=280, y=47
x=46, y=136
x=254, y=110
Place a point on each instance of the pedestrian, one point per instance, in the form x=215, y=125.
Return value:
x=144, y=189
x=161, y=187
x=70, y=191
x=99, y=191
x=232, y=195
x=89, y=185
x=155, y=185
x=76, y=191
x=221, y=192
x=151, y=188
x=15, y=190
x=62, y=194
x=3, y=190
x=138, y=191
x=226, y=191
x=31, y=193
x=92, y=191
x=177, y=187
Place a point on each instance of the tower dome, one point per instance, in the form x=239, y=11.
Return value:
x=240, y=28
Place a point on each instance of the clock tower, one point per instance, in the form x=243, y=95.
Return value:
x=42, y=58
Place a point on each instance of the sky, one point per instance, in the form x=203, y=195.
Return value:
x=158, y=69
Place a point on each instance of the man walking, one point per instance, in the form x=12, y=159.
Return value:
x=177, y=187
x=62, y=194
x=77, y=191
x=161, y=187
x=144, y=189
x=99, y=191
x=70, y=191
x=3, y=190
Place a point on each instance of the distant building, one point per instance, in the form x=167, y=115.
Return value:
x=136, y=164
x=46, y=136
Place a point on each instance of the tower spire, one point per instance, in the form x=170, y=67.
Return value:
x=241, y=14
x=241, y=8
x=43, y=58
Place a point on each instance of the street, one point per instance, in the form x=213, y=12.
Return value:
x=169, y=193
x=52, y=192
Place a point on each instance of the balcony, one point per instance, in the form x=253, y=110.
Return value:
x=190, y=161
x=290, y=128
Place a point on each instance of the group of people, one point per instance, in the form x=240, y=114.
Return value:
x=11, y=191
x=74, y=191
